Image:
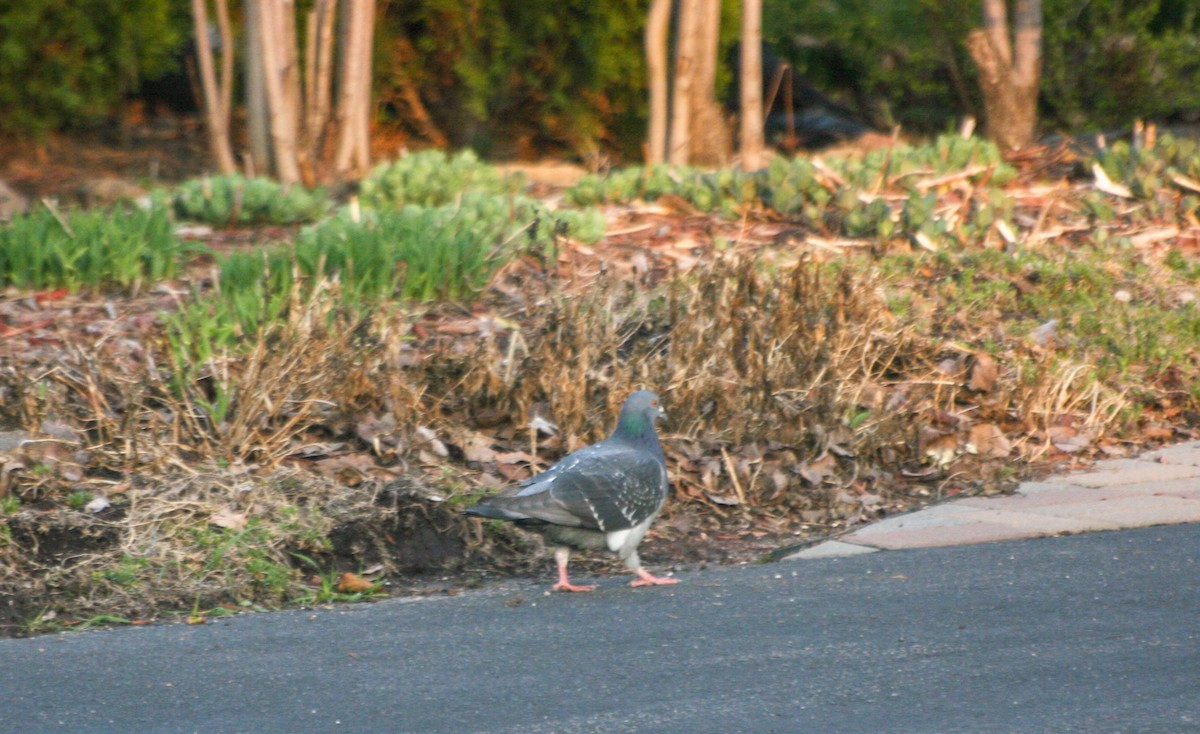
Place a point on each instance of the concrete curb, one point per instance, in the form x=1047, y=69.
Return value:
x=1158, y=488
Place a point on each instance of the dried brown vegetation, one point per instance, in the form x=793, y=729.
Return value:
x=813, y=382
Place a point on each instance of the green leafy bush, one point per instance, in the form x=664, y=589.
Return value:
x=235, y=199
x=1147, y=171
x=903, y=61
x=839, y=194
x=1105, y=61
x=497, y=74
x=67, y=62
x=93, y=249
x=725, y=190
x=433, y=178
x=1110, y=61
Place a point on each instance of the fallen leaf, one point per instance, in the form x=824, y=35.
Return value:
x=1107, y=185
x=941, y=449
x=227, y=518
x=348, y=469
x=1184, y=182
x=1158, y=432
x=98, y=504
x=986, y=439
x=516, y=457
x=815, y=471
x=925, y=241
x=541, y=425
x=984, y=373
x=1044, y=334
x=429, y=458
x=435, y=445
x=1067, y=439
x=780, y=480
x=55, y=295
x=476, y=447
x=350, y=583
x=513, y=472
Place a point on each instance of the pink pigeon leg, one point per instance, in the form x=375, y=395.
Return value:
x=645, y=578
x=561, y=555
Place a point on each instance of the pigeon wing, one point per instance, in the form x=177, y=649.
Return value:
x=606, y=487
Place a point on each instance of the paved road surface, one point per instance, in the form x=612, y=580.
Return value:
x=1090, y=633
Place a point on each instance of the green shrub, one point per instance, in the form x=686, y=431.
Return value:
x=93, y=249
x=903, y=59
x=840, y=195
x=1110, y=61
x=726, y=190
x=433, y=178
x=235, y=199
x=1105, y=62
x=497, y=74
x=68, y=62
x=1147, y=171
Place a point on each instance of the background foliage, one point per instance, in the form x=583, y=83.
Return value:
x=64, y=62
x=903, y=61
x=523, y=78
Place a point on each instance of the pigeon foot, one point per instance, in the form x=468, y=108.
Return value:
x=646, y=579
x=568, y=586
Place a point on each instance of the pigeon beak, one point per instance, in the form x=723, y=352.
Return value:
x=661, y=415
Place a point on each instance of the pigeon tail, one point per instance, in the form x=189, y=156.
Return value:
x=495, y=513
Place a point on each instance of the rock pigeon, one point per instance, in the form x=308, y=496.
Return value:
x=603, y=496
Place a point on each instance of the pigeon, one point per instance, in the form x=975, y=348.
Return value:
x=603, y=496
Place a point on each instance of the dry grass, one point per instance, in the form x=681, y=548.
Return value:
x=797, y=398
x=218, y=540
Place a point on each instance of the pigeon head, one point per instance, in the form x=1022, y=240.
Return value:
x=638, y=415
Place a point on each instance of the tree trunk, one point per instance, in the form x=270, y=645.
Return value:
x=318, y=78
x=257, y=115
x=217, y=98
x=367, y=49
x=687, y=42
x=657, y=27
x=1009, y=71
x=283, y=116
x=750, y=84
x=354, y=144
x=710, y=143
x=293, y=100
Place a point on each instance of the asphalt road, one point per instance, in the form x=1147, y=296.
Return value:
x=1092, y=633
